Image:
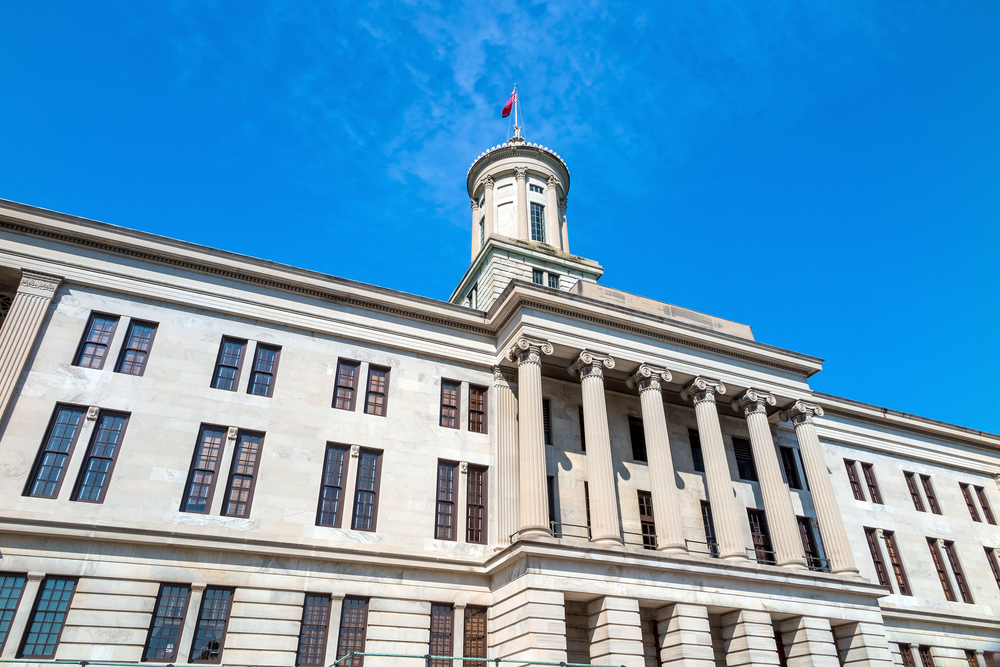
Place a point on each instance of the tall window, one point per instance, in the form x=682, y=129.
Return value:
x=873, y=547
x=60, y=438
x=11, y=587
x=168, y=620
x=586, y=505
x=353, y=622
x=482, y=234
x=204, y=470
x=265, y=366
x=228, y=364
x=807, y=532
x=897, y=564
x=347, y=385
x=93, y=350
x=378, y=391
x=537, y=222
x=942, y=574
x=970, y=503
x=243, y=475
x=637, y=435
x=332, y=490
x=475, y=635
x=583, y=432
x=706, y=519
x=554, y=280
x=696, y=456
x=991, y=556
x=925, y=481
x=42, y=634
x=972, y=658
x=791, y=469
x=442, y=627
x=213, y=619
x=366, y=496
x=873, y=492
x=925, y=656
x=313, y=630
x=761, y=537
x=906, y=653
x=852, y=477
x=911, y=486
x=444, y=526
x=449, y=403
x=744, y=459
x=987, y=510
x=477, y=409
x=538, y=276
x=550, y=487
x=105, y=444
x=135, y=352
x=956, y=569
x=475, y=522
x=546, y=422
x=646, y=520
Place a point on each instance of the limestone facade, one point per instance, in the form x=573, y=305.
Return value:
x=532, y=481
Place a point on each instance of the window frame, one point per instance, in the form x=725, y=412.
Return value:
x=81, y=475
x=789, y=466
x=457, y=407
x=553, y=276
x=984, y=502
x=956, y=569
x=377, y=491
x=125, y=346
x=484, y=530
x=546, y=422
x=344, y=466
x=583, y=432
x=538, y=277
x=40, y=456
x=451, y=503
x=994, y=560
x=926, y=657
x=932, y=501
x=474, y=614
x=766, y=546
x=744, y=445
x=325, y=632
x=969, y=502
x=239, y=364
x=534, y=207
x=911, y=486
x=233, y=463
x=225, y=626
x=647, y=521
x=697, y=455
x=896, y=561
x=636, y=430
x=274, y=369
x=372, y=368
x=77, y=356
x=17, y=603
x=906, y=653
x=34, y=610
x=810, y=545
x=152, y=624
x=868, y=470
x=942, y=573
x=449, y=623
x=854, y=481
x=355, y=661
x=708, y=524
x=878, y=558
x=550, y=500
x=484, y=392
x=192, y=470
x=354, y=388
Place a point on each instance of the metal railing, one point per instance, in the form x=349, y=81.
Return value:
x=705, y=548
x=557, y=532
x=646, y=541
x=428, y=659
x=817, y=564
x=768, y=557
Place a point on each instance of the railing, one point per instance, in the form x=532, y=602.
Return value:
x=768, y=558
x=557, y=532
x=817, y=564
x=646, y=541
x=704, y=548
x=428, y=659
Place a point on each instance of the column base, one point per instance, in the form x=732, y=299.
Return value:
x=795, y=565
x=534, y=533
x=737, y=556
x=849, y=572
x=608, y=542
x=673, y=549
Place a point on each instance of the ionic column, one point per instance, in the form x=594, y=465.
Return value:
x=533, y=511
x=831, y=524
x=521, y=174
x=507, y=479
x=563, y=205
x=475, y=228
x=22, y=616
x=488, y=205
x=721, y=496
x=666, y=505
x=777, y=501
x=605, y=528
x=552, y=213
x=20, y=328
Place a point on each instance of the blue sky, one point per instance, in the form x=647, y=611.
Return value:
x=827, y=172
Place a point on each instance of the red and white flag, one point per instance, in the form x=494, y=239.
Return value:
x=510, y=104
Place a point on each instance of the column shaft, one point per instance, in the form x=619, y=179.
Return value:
x=749, y=639
x=490, y=209
x=552, y=214
x=685, y=636
x=809, y=642
x=521, y=175
x=533, y=513
x=475, y=229
x=507, y=477
x=615, y=632
x=20, y=329
x=563, y=205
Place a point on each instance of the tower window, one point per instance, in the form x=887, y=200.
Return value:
x=482, y=232
x=554, y=280
x=536, y=188
x=537, y=223
x=538, y=276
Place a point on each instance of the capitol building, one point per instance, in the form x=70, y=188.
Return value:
x=207, y=458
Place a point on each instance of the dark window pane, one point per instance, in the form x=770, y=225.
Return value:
x=638, y=437
x=538, y=276
x=227, y=370
x=706, y=519
x=475, y=523
x=104, y=447
x=353, y=622
x=873, y=491
x=210, y=634
x=204, y=470
x=444, y=528
x=11, y=587
x=243, y=475
x=378, y=387
x=135, y=351
x=791, y=468
x=475, y=635
x=761, y=537
x=42, y=634
x=554, y=280
x=911, y=486
x=168, y=620
x=883, y=576
x=949, y=593
x=366, y=498
x=906, y=653
x=332, y=488
x=897, y=565
x=94, y=347
x=987, y=510
x=970, y=503
x=56, y=448
x=956, y=569
x=852, y=477
x=442, y=625
x=546, y=422
x=313, y=631
x=744, y=459
x=646, y=520
x=347, y=385
x=583, y=431
x=477, y=409
x=449, y=404
x=265, y=365
x=696, y=457
x=537, y=222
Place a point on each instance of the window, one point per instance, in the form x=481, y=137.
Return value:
x=883, y=575
x=956, y=569
x=538, y=276
x=646, y=520
x=60, y=439
x=265, y=365
x=987, y=510
x=586, y=504
x=347, y=385
x=925, y=656
x=213, y=619
x=366, y=496
x=638, y=437
x=550, y=486
x=972, y=658
x=11, y=587
x=911, y=486
x=228, y=364
x=475, y=635
x=332, y=490
x=546, y=422
x=897, y=565
x=475, y=523
x=942, y=574
x=243, y=475
x=378, y=391
x=168, y=620
x=583, y=433
x=761, y=537
x=477, y=409
x=970, y=503
x=991, y=556
x=791, y=469
x=906, y=653
x=313, y=630
x=696, y=457
x=744, y=459
x=444, y=527
x=537, y=222
x=473, y=296
x=204, y=470
x=554, y=280
x=442, y=626
x=873, y=491
x=105, y=444
x=135, y=352
x=353, y=622
x=47, y=618
x=807, y=532
x=925, y=481
x=536, y=188
x=710, y=541
x=449, y=403
x=482, y=234
x=93, y=350
x=852, y=476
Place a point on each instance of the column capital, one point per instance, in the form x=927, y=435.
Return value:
x=529, y=350
x=753, y=400
x=473, y=204
x=702, y=389
x=520, y=173
x=503, y=378
x=801, y=412
x=489, y=183
x=591, y=364
x=564, y=203
x=40, y=284
x=198, y=586
x=552, y=182
x=36, y=576
x=648, y=377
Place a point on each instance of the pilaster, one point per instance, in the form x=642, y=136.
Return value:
x=615, y=632
x=862, y=644
x=749, y=639
x=809, y=642
x=685, y=636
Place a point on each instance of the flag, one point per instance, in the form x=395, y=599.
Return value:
x=510, y=104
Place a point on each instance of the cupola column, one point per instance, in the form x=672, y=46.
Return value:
x=475, y=228
x=552, y=235
x=564, y=234
x=488, y=205
x=721, y=496
x=521, y=174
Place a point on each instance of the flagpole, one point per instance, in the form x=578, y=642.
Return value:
x=515, y=110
